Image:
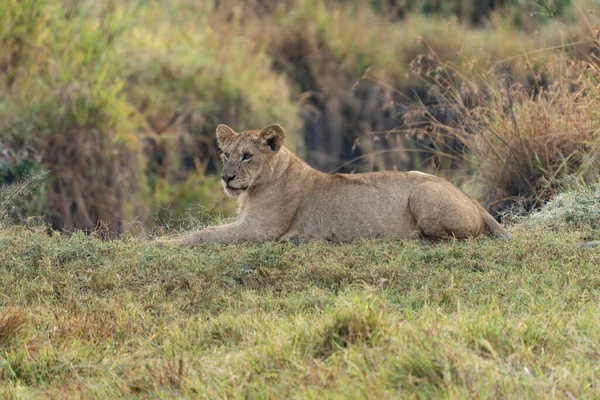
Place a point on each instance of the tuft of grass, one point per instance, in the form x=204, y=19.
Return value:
x=579, y=210
x=13, y=194
x=360, y=321
x=552, y=8
x=12, y=322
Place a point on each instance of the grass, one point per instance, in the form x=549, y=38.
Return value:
x=577, y=209
x=130, y=93
x=372, y=319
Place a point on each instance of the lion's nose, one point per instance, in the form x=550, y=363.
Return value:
x=227, y=178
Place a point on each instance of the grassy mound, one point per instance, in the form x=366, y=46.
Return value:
x=375, y=318
x=577, y=210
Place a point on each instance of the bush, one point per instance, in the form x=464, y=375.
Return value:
x=519, y=142
x=64, y=111
x=352, y=63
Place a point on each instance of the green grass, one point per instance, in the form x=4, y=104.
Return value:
x=372, y=319
x=131, y=93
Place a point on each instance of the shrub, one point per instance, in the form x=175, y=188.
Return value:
x=64, y=111
x=519, y=142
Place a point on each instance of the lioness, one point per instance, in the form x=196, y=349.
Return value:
x=282, y=196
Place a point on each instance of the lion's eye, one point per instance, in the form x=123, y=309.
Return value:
x=226, y=156
x=247, y=157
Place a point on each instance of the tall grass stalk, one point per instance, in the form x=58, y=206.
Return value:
x=11, y=195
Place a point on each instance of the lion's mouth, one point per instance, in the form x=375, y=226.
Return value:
x=235, y=190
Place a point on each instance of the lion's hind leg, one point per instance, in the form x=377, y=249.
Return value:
x=441, y=210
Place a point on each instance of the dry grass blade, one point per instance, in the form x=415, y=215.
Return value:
x=11, y=194
x=11, y=323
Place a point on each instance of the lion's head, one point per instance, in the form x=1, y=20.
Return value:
x=247, y=156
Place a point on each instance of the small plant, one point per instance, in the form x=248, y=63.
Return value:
x=10, y=195
x=357, y=322
x=551, y=8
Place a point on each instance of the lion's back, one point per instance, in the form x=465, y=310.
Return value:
x=343, y=207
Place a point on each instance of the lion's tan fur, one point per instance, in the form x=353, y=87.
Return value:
x=282, y=196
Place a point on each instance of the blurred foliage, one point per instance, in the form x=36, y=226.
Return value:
x=119, y=100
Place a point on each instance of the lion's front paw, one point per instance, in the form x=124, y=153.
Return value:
x=165, y=242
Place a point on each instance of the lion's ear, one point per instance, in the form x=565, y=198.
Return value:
x=224, y=132
x=272, y=137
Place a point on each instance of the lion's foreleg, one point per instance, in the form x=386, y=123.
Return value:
x=231, y=233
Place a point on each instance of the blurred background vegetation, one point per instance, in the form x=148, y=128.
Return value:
x=119, y=100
